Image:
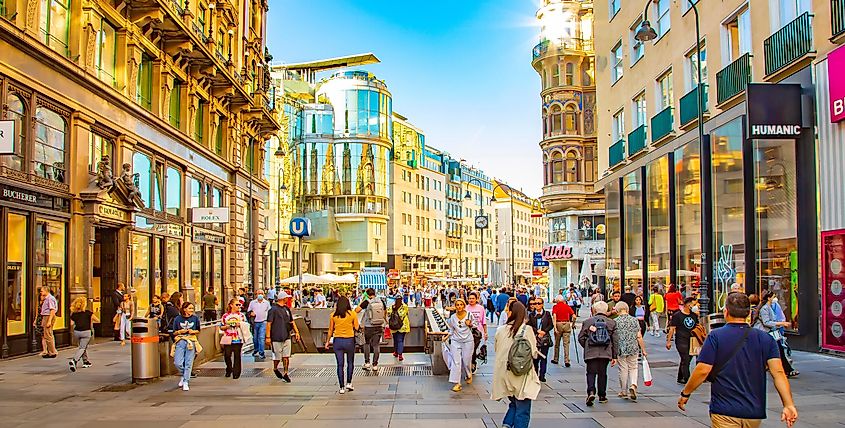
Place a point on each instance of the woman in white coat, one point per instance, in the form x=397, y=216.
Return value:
x=462, y=345
x=520, y=390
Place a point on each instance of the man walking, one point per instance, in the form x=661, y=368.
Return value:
x=49, y=307
x=210, y=304
x=734, y=359
x=281, y=332
x=598, y=337
x=375, y=318
x=116, y=300
x=564, y=318
x=542, y=323
x=656, y=307
x=680, y=327
x=501, y=302
x=258, y=310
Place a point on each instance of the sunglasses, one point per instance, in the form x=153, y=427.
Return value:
x=239, y=306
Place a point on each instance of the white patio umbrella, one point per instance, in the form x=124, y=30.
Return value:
x=307, y=278
x=586, y=277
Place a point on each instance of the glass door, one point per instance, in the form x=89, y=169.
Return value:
x=15, y=310
x=217, y=274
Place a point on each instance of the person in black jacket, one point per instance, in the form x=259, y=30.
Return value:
x=171, y=311
x=541, y=321
x=116, y=300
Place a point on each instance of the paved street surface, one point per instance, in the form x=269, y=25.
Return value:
x=43, y=393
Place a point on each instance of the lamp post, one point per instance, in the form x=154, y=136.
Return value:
x=646, y=33
x=231, y=34
x=280, y=153
x=513, y=231
x=481, y=222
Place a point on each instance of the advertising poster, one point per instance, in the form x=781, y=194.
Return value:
x=833, y=297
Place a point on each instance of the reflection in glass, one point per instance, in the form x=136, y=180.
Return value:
x=777, y=223
x=142, y=166
x=16, y=268
x=728, y=209
x=196, y=193
x=217, y=273
x=632, y=197
x=614, y=235
x=196, y=273
x=688, y=211
x=50, y=139
x=141, y=271
x=157, y=270
x=16, y=111
x=174, y=191
x=174, y=248
x=657, y=216
x=50, y=262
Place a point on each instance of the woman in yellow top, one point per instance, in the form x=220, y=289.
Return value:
x=401, y=321
x=342, y=326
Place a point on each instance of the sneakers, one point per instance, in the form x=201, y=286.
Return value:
x=342, y=391
x=278, y=374
x=395, y=354
x=72, y=365
x=349, y=387
x=374, y=367
x=555, y=362
x=286, y=378
x=401, y=357
x=543, y=379
x=590, y=399
x=86, y=365
x=181, y=382
x=368, y=366
x=602, y=400
x=185, y=387
x=567, y=365
x=632, y=393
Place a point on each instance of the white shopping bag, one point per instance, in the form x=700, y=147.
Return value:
x=447, y=354
x=646, y=373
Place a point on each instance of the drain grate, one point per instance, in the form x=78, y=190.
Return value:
x=220, y=372
x=418, y=370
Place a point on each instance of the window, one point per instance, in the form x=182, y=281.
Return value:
x=16, y=110
x=663, y=22
x=587, y=72
x=640, y=114
x=55, y=24
x=249, y=153
x=50, y=139
x=105, y=52
x=158, y=186
x=217, y=198
x=98, y=147
x=50, y=262
x=616, y=62
x=692, y=68
x=618, y=128
x=787, y=11
x=196, y=194
x=637, y=47
x=201, y=18
x=175, y=111
x=590, y=165
x=173, y=183
x=199, y=121
x=556, y=75
x=145, y=83
x=556, y=118
x=664, y=91
x=738, y=34
x=571, y=119
x=142, y=168
x=570, y=73
x=17, y=238
x=218, y=139
x=613, y=7
x=557, y=168
x=571, y=167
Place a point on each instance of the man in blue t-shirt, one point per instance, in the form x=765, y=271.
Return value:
x=734, y=358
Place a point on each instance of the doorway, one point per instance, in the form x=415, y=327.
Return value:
x=104, y=279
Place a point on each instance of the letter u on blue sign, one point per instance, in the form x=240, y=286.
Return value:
x=300, y=227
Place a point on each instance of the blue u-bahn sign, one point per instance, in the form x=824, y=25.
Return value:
x=300, y=227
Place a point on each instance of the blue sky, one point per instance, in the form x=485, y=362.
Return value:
x=459, y=70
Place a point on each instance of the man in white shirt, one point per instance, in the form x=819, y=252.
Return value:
x=259, y=308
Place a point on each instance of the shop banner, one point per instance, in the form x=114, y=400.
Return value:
x=539, y=261
x=833, y=278
x=836, y=83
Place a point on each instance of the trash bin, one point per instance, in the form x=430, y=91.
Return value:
x=715, y=320
x=145, y=358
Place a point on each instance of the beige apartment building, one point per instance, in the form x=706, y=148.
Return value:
x=739, y=186
x=521, y=230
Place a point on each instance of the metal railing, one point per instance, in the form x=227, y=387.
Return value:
x=562, y=44
x=636, y=140
x=837, y=17
x=733, y=79
x=689, y=112
x=788, y=44
x=616, y=153
x=662, y=124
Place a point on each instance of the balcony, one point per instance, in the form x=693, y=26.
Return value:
x=837, y=18
x=789, y=44
x=689, y=112
x=636, y=140
x=560, y=196
x=733, y=79
x=561, y=45
x=662, y=124
x=616, y=153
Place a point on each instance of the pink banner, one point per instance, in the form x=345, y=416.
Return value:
x=833, y=296
x=836, y=83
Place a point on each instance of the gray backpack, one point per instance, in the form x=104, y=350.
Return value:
x=375, y=311
x=520, y=356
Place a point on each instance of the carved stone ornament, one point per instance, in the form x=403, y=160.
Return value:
x=105, y=178
x=130, y=181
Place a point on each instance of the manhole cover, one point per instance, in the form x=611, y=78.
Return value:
x=124, y=387
x=221, y=372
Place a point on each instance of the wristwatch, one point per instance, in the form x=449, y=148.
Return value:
x=685, y=395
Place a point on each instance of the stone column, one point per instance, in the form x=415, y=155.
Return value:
x=80, y=229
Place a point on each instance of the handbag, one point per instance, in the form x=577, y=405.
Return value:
x=246, y=335
x=225, y=339
x=699, y=333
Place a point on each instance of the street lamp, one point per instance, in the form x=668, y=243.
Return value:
x=644, y=34
x=513, y=231
x=481, y=222
x=280, y=153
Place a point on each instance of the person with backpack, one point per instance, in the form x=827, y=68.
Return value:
x=598, y=337
x=462, y=344
x=514, y=376
x=374, y=320
x=400, y=325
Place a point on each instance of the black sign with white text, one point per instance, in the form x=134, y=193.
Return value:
x=774, y=110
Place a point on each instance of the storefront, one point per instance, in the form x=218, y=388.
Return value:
x=576, y=249
x=33, y=232
x=761, y=152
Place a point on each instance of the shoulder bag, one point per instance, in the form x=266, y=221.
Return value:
x=718, y=367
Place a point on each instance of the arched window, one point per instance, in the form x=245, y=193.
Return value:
x=17, y=112
x=545, y=169
x=50, y=139
x=556, y=119
x=571, y=166
x=570, y=73
x=545, y=79
x=571, y=120
x=545, y=121
x=142, y=167
x=557, y=168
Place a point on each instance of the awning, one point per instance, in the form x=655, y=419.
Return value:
x=375, y=280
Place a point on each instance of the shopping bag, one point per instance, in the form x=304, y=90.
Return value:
x=447, y=354
x=646, y=373
x=387, y=333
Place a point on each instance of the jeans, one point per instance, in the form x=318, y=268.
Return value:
x=542, y=362
x=232, y=357
x=399, y=342
x=83, y=338
x=519, y=413
x=260, y=331
x=184, y=359
x=683, y=366
x=344, y=346
x=628, y=371
x=372, y=341
x=563, y=330
x=597, y=371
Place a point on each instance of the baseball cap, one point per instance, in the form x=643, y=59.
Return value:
x=282, y=295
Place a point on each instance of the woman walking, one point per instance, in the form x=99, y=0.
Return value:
x=234, y=332
x=127, y=309
x=520, y=390
x=766, y=320
x=82, y=320
x=640, y=313
x=460, y=325
x=342, y=326
x=629, y=345
x=399, y=320
x=185, y=327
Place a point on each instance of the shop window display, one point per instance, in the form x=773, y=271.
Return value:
x=16, y=269
x=632, y=197
x=688, y=211
x=657, y=217
x=141, y=271
x=50, y=263
x=614, y=235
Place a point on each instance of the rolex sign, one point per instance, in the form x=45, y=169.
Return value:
x=210, y=215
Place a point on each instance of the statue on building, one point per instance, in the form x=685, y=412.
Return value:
x=130, y=181
x=105, y=178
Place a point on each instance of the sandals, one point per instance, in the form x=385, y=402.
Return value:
x=793, y=373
